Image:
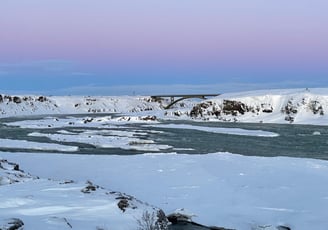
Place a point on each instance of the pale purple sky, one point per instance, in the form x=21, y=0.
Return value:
x=64, y=46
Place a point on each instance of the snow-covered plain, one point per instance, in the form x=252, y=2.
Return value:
x=223, y=189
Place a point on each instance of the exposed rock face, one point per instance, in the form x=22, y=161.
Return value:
x=200, y=109
x=234, y=107
x=228, y=107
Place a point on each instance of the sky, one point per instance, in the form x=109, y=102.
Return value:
x=151, y=46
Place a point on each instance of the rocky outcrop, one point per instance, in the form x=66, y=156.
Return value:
x=316, y=107
x=10, y=173
x=276, y=108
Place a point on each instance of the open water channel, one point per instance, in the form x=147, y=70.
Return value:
x=292, y=140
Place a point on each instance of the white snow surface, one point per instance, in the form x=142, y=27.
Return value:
x=304, y=106
x=221, y=189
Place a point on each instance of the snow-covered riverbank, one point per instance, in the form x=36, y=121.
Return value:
x=222, y=189
x=299, y=106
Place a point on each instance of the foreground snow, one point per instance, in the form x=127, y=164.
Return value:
x=221, y=189
x=63, y=204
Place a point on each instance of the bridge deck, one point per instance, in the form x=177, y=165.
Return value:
x=181, y=97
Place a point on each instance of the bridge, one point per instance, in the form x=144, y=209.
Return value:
x=175, y=98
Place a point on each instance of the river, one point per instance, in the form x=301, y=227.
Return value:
x=292, y=140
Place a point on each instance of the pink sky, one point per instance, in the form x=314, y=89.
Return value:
x=184, y=36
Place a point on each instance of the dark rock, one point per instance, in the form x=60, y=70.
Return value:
x=42, y=99
x=17, y=100
x=87, y=120
x=182, y=221
x=13, y=224
x=197, y=110
x=149, y=118
x=16, y=167
x=283, y=228
x=162, y=221
x=234, y=107
x=316, y=107
x=9, y=98
x=123, y=204
x=67, y=182
x=267, y=110
x=289, y=108
x=90, y=187
x=289, y=118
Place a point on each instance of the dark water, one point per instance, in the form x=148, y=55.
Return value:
x=293, y=140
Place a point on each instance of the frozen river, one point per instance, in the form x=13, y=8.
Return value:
x=221, y=189
x=101, y=134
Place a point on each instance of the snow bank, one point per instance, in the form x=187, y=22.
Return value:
x=64, y=204
x=221, y=189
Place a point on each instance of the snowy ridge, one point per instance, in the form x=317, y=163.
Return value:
x=299, y=106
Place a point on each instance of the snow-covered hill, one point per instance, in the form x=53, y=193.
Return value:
x=299, y=106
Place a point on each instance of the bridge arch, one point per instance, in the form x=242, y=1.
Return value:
x=181, y=97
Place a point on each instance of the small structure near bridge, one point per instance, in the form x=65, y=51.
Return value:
x=175, y=98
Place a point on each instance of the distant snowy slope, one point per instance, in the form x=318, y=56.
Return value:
x=299, y=106
x=36, y=105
